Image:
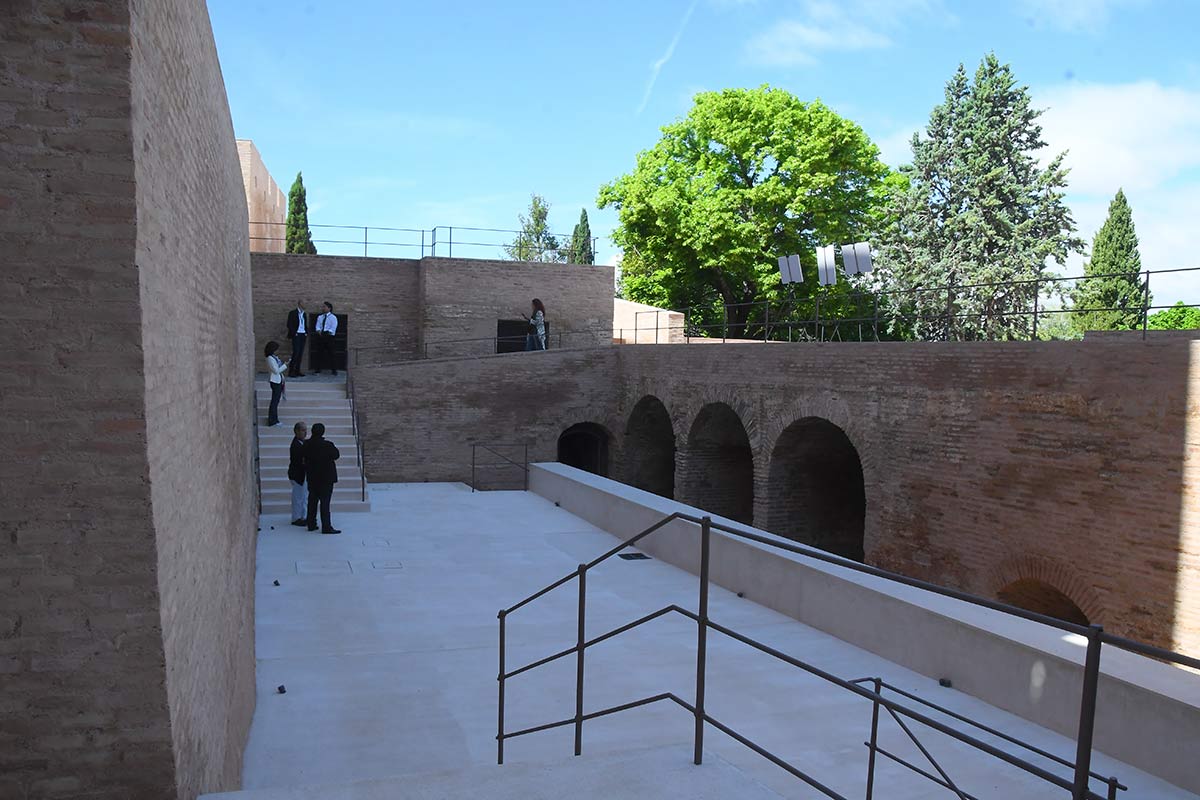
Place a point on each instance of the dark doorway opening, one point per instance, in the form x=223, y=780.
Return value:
x=339, y=349
x=649, y=453
x=815, y=488
x=585, y=446
x=1042, y=598
x=511, y=333
x=720, y=465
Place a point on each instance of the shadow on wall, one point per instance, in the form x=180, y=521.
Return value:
x=719, y=474
x=650, y=448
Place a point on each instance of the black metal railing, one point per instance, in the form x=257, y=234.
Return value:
x=358, y=442
x=1078, y=784
x=504, y=463
x=440, y=240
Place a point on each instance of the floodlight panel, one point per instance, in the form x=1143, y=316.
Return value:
x=784, y=272
x=848, y=259
x=797, y=274
x=862, y=251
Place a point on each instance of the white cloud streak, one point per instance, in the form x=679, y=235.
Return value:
x=657, y=66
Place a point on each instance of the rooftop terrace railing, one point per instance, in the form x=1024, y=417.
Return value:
x=1079, y=784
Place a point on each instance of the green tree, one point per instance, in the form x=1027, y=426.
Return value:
x=534, y=241
x=299, y=237
x=581, y=241
x=1112, y=278
x=1178, y=317
x=749, y=175
x=979, y=210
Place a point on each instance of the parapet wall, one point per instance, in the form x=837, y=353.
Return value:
x=265, y=203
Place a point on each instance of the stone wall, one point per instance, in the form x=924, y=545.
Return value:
x=266, y=206
x=124, y=673
x=197, y=345
x=400, y=309
x=982, y=463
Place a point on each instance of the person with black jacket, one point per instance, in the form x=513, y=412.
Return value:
x=296, y=476
x=297, y=329
x=321, y=473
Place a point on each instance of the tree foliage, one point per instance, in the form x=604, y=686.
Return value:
x=534, y=241
x=298, y=236
x=979, y=210
x=1112, y=278
x=581, y=241
x=749, y=175
x=1178, y=317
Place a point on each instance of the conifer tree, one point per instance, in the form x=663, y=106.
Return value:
x=534, y=241
x=581, y=241
x=1112, y=278
x=299, y=237
x=979, y=209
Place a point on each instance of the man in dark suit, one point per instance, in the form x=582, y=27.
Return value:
x=298, y=332
x=321, y=472
x=296, y=475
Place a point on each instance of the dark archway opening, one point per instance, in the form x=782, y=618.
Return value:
x=1042, y=598
x=815, y=488
x=649, y=453
x=585, y=446
x=720, y=466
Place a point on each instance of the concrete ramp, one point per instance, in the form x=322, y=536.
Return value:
x=654, y=774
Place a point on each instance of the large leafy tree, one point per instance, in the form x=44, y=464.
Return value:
x=1112, y=278
x=299, y=237
x=979, y=209
x=534, y=241
x=749, y=175
x=1178, y=317
x=581, y=241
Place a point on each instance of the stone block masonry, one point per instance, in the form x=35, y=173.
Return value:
x=127, y=507
x=982, y=464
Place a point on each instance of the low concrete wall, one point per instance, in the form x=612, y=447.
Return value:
x=1148, y=714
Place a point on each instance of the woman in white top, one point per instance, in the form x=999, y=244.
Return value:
x=536, y=339
x=275, y=369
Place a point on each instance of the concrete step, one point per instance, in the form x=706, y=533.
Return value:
x=283, y=447
x=339, y=506
x=652, y=774
x=332, y=431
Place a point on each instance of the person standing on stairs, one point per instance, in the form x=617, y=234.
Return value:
x=297, y=327
x=296, y=476
x=327, y=325
x=275, y=368
x=321, y=473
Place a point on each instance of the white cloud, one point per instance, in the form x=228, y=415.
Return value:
x=1072, y=15
x=657, y=66
x=1134, y=135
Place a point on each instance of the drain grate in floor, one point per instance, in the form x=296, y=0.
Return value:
x=634, y=556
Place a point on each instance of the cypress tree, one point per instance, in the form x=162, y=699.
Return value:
x=1117, y=283
x=299, y=237
x=581, y=241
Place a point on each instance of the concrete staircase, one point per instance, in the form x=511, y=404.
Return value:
x=308, y=402
x=654, y=774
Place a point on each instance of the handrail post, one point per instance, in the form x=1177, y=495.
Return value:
x=526, y=466
x=1146, y=305
x=473, y=471
x=1087, y=713
x=500, y=701
x=874, y=739
x=1037, y=290
x=702, y=637
x=364, y=241
x=579, y=660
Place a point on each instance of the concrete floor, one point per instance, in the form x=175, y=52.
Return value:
x=386, y=639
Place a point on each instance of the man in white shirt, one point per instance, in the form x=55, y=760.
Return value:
x=327, y=326
x=297, y=332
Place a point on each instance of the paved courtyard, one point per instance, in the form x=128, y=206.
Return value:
x=386, y=640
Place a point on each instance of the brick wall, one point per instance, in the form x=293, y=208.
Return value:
x=197, y=340
x=265, y=204
x=379, y=295
x=982, y=463
x=101, y=594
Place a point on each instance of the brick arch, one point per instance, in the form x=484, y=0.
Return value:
x=587, y=445
x=1051, y=573
x=716, y=467
x=649, y=447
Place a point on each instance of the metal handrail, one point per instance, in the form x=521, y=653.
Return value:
x=524, y=467
x=1079, y=786
x=358, y=445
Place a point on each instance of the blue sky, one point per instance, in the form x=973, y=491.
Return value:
x=414, y=115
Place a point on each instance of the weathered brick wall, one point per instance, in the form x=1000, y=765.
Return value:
x=265, y=204
x=99, y=513
x=83, y=703
x=197, y=340
x=982, y=463
x=380, y=296
x=463, y=299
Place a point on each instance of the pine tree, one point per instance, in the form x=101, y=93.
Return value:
x=1112, y=278
x=581, y=241
x=299, y=237
x=979, y=210
x=534, y=241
